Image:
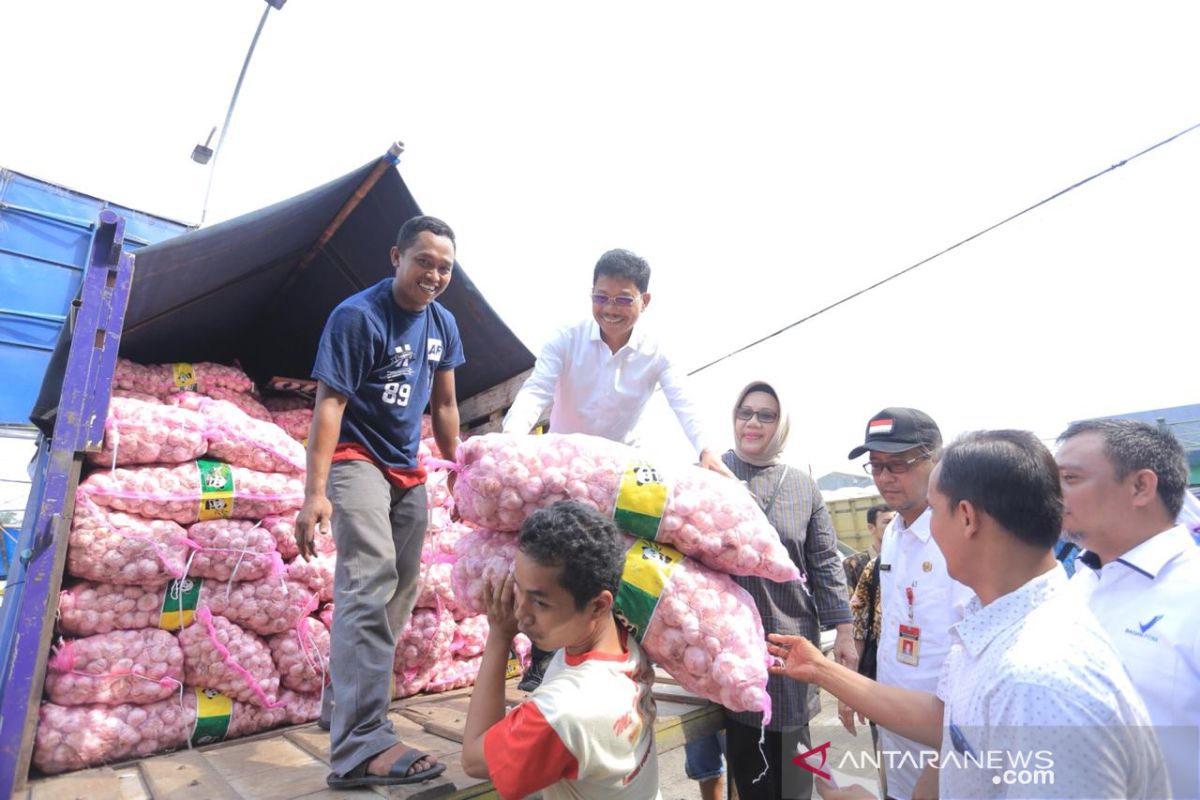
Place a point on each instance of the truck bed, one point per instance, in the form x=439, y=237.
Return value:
x=292, y=762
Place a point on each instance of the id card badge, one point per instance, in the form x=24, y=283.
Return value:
x=908, y=646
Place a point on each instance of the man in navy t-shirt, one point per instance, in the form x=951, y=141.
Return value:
x=386, y=352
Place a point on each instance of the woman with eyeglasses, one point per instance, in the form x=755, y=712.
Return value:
x=793, y=504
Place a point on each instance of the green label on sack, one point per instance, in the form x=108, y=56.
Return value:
x=185, y=377
x=641, y=499
x=180, y=599
x=213, y=712
x=648, y=567
x=216, y=489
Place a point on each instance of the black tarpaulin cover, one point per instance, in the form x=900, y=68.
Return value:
x=236, y=292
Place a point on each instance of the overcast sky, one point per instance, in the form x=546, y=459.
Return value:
x=767, y=158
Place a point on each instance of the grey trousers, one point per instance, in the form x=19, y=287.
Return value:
x=378, y=530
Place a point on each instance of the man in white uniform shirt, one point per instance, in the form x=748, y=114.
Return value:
x=1123, y=484
x=1032, y=701
x=919, y=599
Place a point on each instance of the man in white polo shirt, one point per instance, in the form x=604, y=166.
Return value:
x=919, y=599
x=1123, y=484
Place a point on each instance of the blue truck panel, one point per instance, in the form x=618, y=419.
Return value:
x=45, y=231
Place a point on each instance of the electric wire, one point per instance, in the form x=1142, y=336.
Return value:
x=941, y=253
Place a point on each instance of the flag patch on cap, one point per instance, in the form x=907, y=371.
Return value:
x=879, y=427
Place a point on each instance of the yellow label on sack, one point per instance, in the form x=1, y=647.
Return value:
x=648, y=568
x=185, y=377
x=216, y=489
x=641, y=500
x=213, y=713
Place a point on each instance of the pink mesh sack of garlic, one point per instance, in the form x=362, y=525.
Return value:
x=316, y=574
x=482, y=557
x=237, y=438
x=470, y=635
x=137, y=432
x=427, y=637
x=220, y=655
x=164, y=379
x=89, y=608
x=504, y=478
x=300, y=707
x=437, y=489
x=243, y=402
x=233, y=550
x=697, y=623
x=295, y=423
x=441, y=537
x=325, y=614
x=265, y=606
x=247, y=403
x=460, y=671
x=142, y=666
x=301, y=656
x=74, y=737
x=435, y=588
x=283, y=528
x=410, y=683
x=131, y=395
x=114, y=547
x=453, y=674
x=194, y=492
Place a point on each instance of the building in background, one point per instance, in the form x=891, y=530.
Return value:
x=1184, y=422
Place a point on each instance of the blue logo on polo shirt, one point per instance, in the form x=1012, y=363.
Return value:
x=1143, y=627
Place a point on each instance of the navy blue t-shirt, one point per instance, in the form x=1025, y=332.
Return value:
x=383, y=359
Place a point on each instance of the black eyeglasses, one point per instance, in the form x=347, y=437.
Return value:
x=894, y=467
x=623, y=300
x=765, y=417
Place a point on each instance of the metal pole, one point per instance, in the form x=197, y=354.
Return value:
x=212, y=170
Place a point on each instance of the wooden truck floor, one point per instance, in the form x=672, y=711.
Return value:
x=287, y=763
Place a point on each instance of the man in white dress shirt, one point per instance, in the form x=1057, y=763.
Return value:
x=918, y=598
x=1123, y=484
x=600, y=373
x=1032, y=700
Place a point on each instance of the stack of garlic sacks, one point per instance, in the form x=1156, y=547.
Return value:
x=690, y=617
x=183, y=585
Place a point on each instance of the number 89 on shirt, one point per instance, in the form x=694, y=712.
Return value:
x=396, y=393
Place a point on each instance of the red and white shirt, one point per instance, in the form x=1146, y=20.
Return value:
x=587, y=733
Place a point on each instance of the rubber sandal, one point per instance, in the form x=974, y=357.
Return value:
x=396, y=776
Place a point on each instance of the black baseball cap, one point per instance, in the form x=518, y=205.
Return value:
x=895, y=430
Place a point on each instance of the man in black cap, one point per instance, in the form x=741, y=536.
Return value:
x=920, y=601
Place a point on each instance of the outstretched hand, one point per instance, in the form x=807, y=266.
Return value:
x=713, y=462
x=796, y=657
